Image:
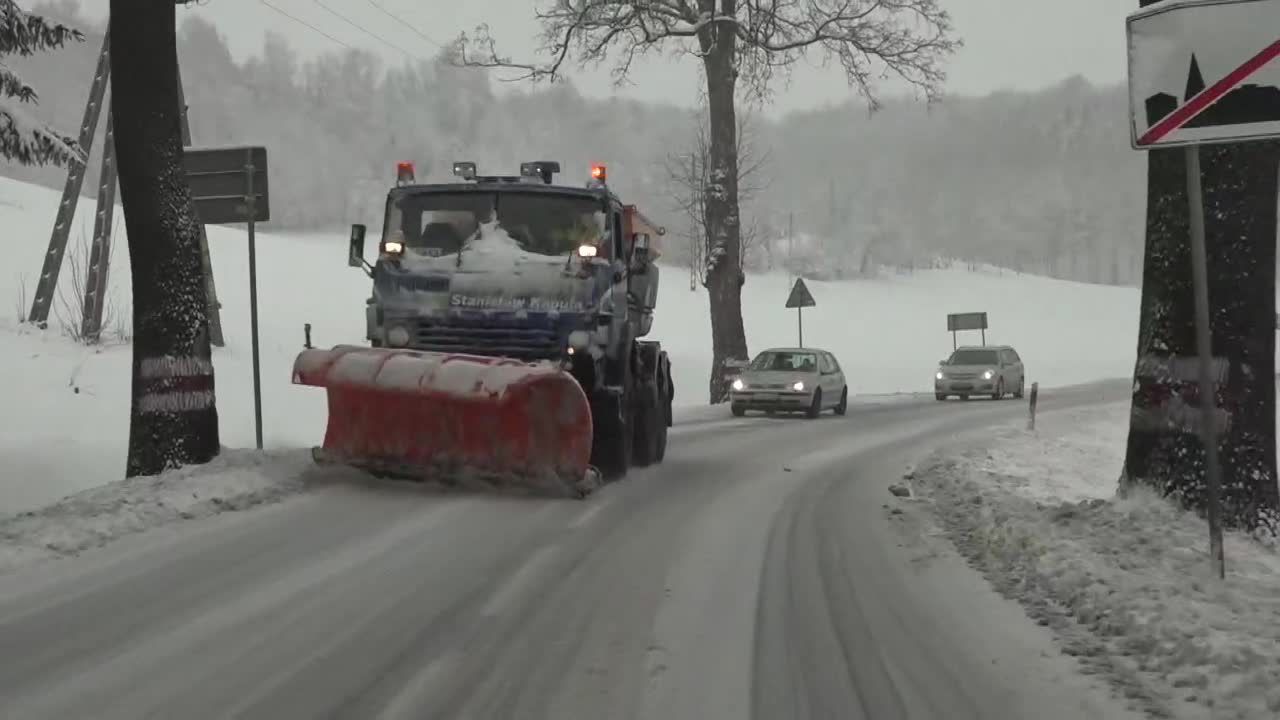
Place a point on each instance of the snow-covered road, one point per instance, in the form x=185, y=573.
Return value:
x=757, y=573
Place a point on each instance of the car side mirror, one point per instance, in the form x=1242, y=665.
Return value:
x=355, y=251
x=942, y=362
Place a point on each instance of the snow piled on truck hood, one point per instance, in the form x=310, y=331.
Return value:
x=494, y=264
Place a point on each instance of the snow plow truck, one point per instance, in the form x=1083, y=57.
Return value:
x=505, y=332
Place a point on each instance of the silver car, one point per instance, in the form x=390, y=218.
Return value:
x=790, y=380
x=994, y=370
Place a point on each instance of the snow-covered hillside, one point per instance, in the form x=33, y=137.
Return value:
x=63, y=422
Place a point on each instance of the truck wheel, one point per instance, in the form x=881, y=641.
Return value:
x=647, y=418
x=612, y=436
x=661, y=442
x=737, y=410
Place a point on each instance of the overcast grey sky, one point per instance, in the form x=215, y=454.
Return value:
x=1011, y=44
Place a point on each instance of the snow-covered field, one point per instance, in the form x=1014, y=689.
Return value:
x=1126, y=584
x=63, y=420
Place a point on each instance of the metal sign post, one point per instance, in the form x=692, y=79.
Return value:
x=966, y=321
x=1204, y=347
x=229, y=185
x=1237, y=40
x=800, y=298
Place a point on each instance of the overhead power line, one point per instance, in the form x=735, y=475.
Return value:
x=304, y=23
x=375, y=36
x=403, y=22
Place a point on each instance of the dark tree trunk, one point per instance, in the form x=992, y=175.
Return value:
x=174, y=420
x=723, y=222
x=1164, y=450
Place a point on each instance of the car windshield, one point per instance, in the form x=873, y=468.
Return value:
x=437, y=223
x=785, y=361
x=973, y=357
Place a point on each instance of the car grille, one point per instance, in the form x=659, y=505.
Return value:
x=495, y=339
x=773, y=386
x=962, y=376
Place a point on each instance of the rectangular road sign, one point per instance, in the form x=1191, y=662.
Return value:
x=219, y=186
x=967, y=321
x=1204, y=71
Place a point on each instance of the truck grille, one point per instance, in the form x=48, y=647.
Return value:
x=520, y=342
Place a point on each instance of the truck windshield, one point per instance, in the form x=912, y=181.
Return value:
x=437, y=223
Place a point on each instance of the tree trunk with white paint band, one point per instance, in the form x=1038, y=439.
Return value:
x=1164, y=450
x=174, y=419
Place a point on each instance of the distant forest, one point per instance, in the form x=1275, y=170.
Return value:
x=1039, y=182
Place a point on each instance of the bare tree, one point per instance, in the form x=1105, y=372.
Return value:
x=690, y=174
x=743, y=46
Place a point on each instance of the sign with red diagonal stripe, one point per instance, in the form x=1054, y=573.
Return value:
x=1204, y=71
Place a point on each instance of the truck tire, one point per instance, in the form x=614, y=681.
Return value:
x=648, y=418
x=612, y=435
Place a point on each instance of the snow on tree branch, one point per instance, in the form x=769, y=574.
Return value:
x=30, y=142
x=22, y=138
x=871, y=39
x=27, y=34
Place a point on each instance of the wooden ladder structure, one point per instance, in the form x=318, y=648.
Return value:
x=95, y=281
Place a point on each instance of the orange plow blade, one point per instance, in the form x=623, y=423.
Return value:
x=452, y=417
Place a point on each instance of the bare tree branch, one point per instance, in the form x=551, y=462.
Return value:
x=689, y=172
x=871, y=39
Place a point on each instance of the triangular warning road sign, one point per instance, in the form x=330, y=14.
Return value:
x=800, y=296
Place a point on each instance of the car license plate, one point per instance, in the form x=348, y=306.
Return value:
x=767, y=397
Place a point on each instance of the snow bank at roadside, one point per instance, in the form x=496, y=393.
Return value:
x=1125, y=583
x=236, y=480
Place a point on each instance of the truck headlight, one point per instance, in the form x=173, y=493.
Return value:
x=397, y=336
x=938, y=375
x=739, y=385
x=988, y=375
x=798, y=386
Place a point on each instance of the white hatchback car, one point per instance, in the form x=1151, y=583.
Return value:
x=994, y=370
x=790, y=380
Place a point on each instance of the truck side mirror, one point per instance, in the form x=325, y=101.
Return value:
x=639, y=251
x=355, y=253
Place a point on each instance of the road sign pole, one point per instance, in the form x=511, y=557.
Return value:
x=800, y=324
x=251, y=201
x=1204, y=346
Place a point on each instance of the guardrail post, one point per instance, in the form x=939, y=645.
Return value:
x=1035, y=392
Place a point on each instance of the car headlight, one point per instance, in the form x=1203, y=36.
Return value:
x=988, y=375
x=798, y=386
x=938, y=375
x=397, y=336
x=739, y=385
